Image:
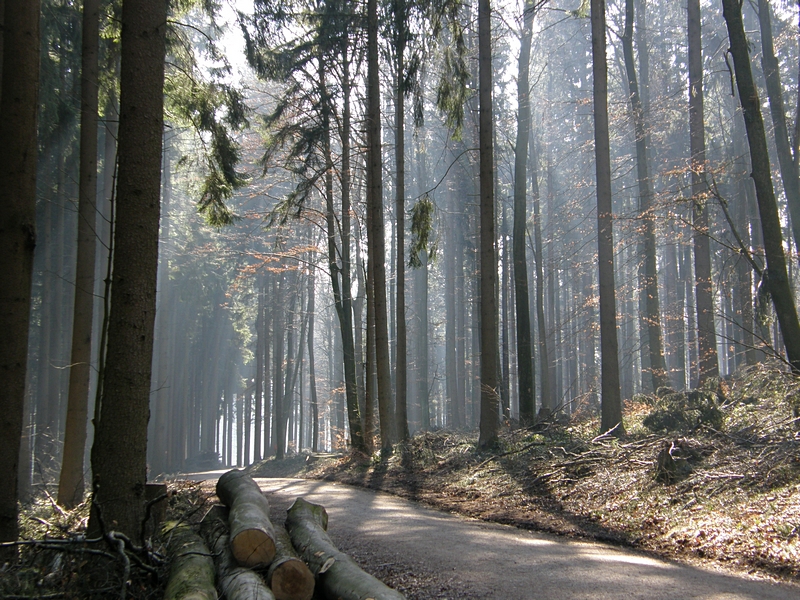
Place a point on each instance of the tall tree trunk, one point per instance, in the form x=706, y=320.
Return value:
x=259, y=379
x=18, y=112
x=788, y=166
x=744, y=272
x=351, y=383
x=548, y=404
x=278, y=398
x=164, y=368
x=375, y=228
x=454, y=395
x=401, y=365
x=489, y=380
x=525, y=369
x=312, y=374
x=706, y=333
x=421, y=292
x=341, y=275
x=658, y=368
x=119, y=451
x=611, y=407
x=370, y=385
x=265, y=328
x=777, y=278
x=70, y=487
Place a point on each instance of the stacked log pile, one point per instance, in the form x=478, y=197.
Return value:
x=253, y=560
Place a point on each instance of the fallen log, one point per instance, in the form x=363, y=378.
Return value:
x=235, y=582
x=252, y=535
x=288, y=576
x=191, y=573
x=339, y=577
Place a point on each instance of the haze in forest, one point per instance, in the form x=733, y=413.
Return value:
x=402, y=216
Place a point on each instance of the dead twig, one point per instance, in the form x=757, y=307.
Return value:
x=509, y=453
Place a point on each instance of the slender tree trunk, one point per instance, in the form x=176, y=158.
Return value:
x=376, y=241
x=421, y=291
x=351, y=383
x=527, y=403
x=658, y=368
x=706, y=333
x=70, y=487
x=788, y=166
x=370, y=386
x=278, y=398
x=505, y=287
x=401, y=366
x=744, y=272
x=611, y=407
x=451, y=330
x=284, y=412
x=312, y=375
x=269, y=312
x=548, y=402
x=778, y=280
x=240, y=429
x=341, y=276
x=119, y=452
x=489, y=380
x=259, y=379
x=18, y=112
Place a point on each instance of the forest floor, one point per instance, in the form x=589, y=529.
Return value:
x=712, y=477
x=709, y=476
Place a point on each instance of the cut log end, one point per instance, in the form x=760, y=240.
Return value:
x=253, y=548
x=292, y=580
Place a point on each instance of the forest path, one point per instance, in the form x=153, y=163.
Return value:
x=439, y=555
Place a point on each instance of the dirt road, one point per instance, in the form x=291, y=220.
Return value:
x=430, y=554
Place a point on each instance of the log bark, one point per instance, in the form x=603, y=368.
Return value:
x=251, y=532
x=191, y=574
x=235, y=582
x=337, y=574
x=288, y=576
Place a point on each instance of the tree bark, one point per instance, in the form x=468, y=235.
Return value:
x=401, y=358
x=375, y=228
x=259, y=404
x=18, y=153
x=252, y=534
x=658, y=368
x=70, y=486
x=312, y=374
x=489, y=380
x=611, y=402
x=119, y=452
x=527, y=403
x=278, y=333
x=235, y=582
x=288, y=576
x=337, y=574
x=706, y=332
x=772, y=76
x=341, y=276
x=778, y=279
x=548, y=404
x=191, y=573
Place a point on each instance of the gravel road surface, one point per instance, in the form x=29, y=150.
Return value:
x=429, y=554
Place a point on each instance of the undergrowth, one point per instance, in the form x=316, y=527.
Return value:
x=719, y=483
